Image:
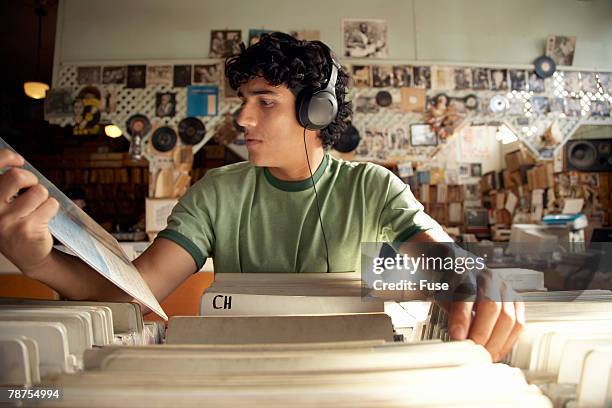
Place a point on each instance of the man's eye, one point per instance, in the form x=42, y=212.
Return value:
x=267, y=103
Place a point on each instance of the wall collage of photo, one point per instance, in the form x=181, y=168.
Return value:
x=403, y=111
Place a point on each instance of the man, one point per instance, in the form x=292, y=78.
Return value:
x=262, y=215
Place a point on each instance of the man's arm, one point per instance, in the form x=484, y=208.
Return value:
x=26, y=241
x=495, y=325
x=164, y=265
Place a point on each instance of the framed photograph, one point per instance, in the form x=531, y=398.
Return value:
x=182, y=76
x=499, y=79
x=463, y=78
x=480, y=78
x=224, y=43
x=476, y=169
x=207, y=74
x=136, y=76
x=464, y=170
x=572, y=107
x=540, y=104
x=561, y=49
x=421, y=134
x=113, y=75
x=518, y=79
x=535, y=83
x=361, y=76
x=422, y=77
x=382, y=76
x=365, y=38
x=165, y=104
x=402, y=75
x=88, y=75
x=159, y=75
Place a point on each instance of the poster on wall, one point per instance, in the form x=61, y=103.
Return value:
x=207, y=74
x=480, y=78
x=422, y=77
x=224, y=43
x=402, y=75
x=159, y=75
x=499, y=79
x=202, y=100
x=365, y=38
x=382, y=76
x=535, y=83
x=182, y=76
x=136, y=76
x=561, y=49
x=442, y=78
x=88, y=75
x=113, y=75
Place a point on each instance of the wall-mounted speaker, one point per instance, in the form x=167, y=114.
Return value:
x=589, y=155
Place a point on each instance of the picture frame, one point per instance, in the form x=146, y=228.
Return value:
x=422, y=134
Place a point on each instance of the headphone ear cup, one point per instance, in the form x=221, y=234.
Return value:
x=302, y=104
x=317, y=110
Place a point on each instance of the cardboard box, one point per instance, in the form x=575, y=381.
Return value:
x=157, y=211
x=514, y=160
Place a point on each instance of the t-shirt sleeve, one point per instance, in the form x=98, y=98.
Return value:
x=401, y=216
x=190, y=224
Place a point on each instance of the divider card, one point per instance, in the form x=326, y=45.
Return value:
x=94, y=245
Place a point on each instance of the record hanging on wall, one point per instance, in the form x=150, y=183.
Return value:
x=191, y=131
x=164, y=139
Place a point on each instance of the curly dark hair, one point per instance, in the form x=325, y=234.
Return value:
x=282, y=59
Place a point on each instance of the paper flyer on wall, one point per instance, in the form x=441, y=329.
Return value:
x=94, y=245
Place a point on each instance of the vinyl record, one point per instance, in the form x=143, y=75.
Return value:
x=138, y=125
x=471, y=101
x=348, y=141
x=164, y=139
x=544, y=66
x=191, y=131
x=384, y=99
x=499, y=104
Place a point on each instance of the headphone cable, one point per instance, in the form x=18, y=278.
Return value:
x=317, y=201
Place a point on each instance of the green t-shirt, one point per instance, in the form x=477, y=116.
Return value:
x=250, y=221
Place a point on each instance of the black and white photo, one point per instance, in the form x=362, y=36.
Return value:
x=207, y=74
x=463, y=78
x=382, y=76
x=136, y=76
x=402, y=75
x=165, y=104
x=535, y=83
x=113, y=75
x=182, y=76
x=476, y=169
x=422, y=77
x=224, y=43
x=159, y=75
x=365, y=38
x=572, y=107
x=518, y=79
x=561, y=49
x=589, y=82
x=572, y=82
x=600, y=109
x=540, y=105
x=88, y=75
x=499, y=79
x=480, y=78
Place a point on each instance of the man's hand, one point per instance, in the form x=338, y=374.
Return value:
x=494, y=319
x=24, y=219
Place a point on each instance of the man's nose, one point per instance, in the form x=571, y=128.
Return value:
x=245, y=117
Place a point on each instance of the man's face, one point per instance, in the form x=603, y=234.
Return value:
x=274, y=137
